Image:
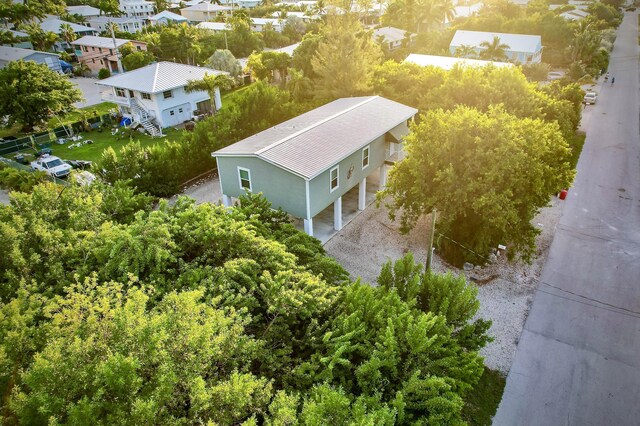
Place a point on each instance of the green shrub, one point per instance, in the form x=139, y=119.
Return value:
x=104, y=73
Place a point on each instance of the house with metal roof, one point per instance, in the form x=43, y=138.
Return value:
x=166, y=17
x=523, y=48
x=53, y=24
x=448, y=62
x=102, y=52
x=10, y=54
x=85, y=11
x=203, y=12
x=127, y=24
x=309, y=163
x=393, y=38
x=155, y=95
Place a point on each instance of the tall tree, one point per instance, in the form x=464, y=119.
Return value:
x=30, y=93
x=212, y=84
x=345, y=59
x=67, y=33
x=495, y=50
x=41, y=40
x=466, y=51
x=486, y=174
x=224, y=60
x=17, y=12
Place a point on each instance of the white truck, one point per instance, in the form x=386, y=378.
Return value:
x=51, y=165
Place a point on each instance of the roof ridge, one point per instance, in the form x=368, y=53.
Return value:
x=314, y=125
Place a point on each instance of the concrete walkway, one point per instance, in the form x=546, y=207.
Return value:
x=578, y=360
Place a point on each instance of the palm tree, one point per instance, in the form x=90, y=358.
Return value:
x=210, y=84
x=466, y=51
x=494, y=50
x=585, y=42
x=67, y=33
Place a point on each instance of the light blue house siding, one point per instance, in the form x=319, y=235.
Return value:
x=282, y=188
x=320, y=186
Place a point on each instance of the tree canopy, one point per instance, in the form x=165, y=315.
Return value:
x=31, y=92
x=487, y=174
x=112, y=312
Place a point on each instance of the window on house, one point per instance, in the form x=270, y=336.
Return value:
x=167, y=94
x=120, y=92
x=93, y=60
x=138, y=48
x=333, y=175
x=365, y=157
x=100, y=49
x=146, y=96
x=110, y=51
x=93, y=49
x=172, y=112
x=245, y=178
x=180, y=110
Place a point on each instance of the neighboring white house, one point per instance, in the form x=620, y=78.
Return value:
x=463, y=12
x=393, y=38
x=165, y=17
x=258, y=24
x=525, y=49
x=155, y=95
x=214, y=26
x=300, y=15
x=203, y=12
x=247, y=4
x=87, y=12
x=125, y=24
x=575, y=15
x=136, y=8
x=448, y=62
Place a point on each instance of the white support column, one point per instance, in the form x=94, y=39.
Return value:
x=337, y=214
x=383, y=176
x=308, y=226
x=362, y=194
x=392, y=148
x=226, y=200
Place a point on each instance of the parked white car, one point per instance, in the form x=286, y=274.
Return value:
x=51, y=165
x=590, y=98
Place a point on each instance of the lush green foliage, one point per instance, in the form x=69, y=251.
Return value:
x=160, y=169
x=113, y=313
x=488, y=174
x=30, y=93
x=19, y=180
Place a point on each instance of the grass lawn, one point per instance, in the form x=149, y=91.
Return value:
x=103, y=140
x=482, y=403
x=72, y=117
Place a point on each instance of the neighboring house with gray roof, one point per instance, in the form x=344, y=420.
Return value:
x=85, y=11
x=523, y=48
x=54, y=25
x=203, y=12
x=308, y=163
x=22, y=39
x=10, y=54
x=166, y=17
x=123, y=23
x=155, y=95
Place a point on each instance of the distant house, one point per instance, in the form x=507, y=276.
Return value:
x=203, y=12
x=575, y=15
x=448, y=62
x=246, y=4
x=214, y=26
x=123, y=23
x=301, y=15
x=463, y=11
x=258, y=24
x=22, y=38
x=393, y=38
x=10, y=54
x=137, y=8
x=155, y=95
x=53, y=24
x=165, y=17
x=525, y=49
x=100, y=52
x=310, y=162
x=85, y=11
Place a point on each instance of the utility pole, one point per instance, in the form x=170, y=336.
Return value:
x=432, y=233
x=115, y=47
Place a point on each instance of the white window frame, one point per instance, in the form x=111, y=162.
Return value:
x=368, y=156
x=120, y=92
x=337, y=169
x=146, y=96
x=242, y=188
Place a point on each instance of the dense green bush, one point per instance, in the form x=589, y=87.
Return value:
x=104, y=73
x=19, y=180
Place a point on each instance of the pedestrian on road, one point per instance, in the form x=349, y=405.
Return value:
x=613, y=80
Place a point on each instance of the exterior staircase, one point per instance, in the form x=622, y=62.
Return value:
x=144, y=118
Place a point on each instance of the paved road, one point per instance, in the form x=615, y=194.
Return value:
x=578, y=360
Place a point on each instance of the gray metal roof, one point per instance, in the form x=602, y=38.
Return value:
x=9, y=54
x=96, y=41
x=311, y=143
x=516, y=42
x=54, y=24
x=158, y=77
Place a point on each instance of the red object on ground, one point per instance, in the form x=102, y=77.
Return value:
x=563, y=194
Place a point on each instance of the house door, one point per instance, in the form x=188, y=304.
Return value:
x=177, y=115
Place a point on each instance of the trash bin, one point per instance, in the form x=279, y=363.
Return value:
x=563, y=194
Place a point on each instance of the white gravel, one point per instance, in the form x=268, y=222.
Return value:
x=364, y=245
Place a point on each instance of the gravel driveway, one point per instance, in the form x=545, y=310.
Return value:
x=364, y=245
